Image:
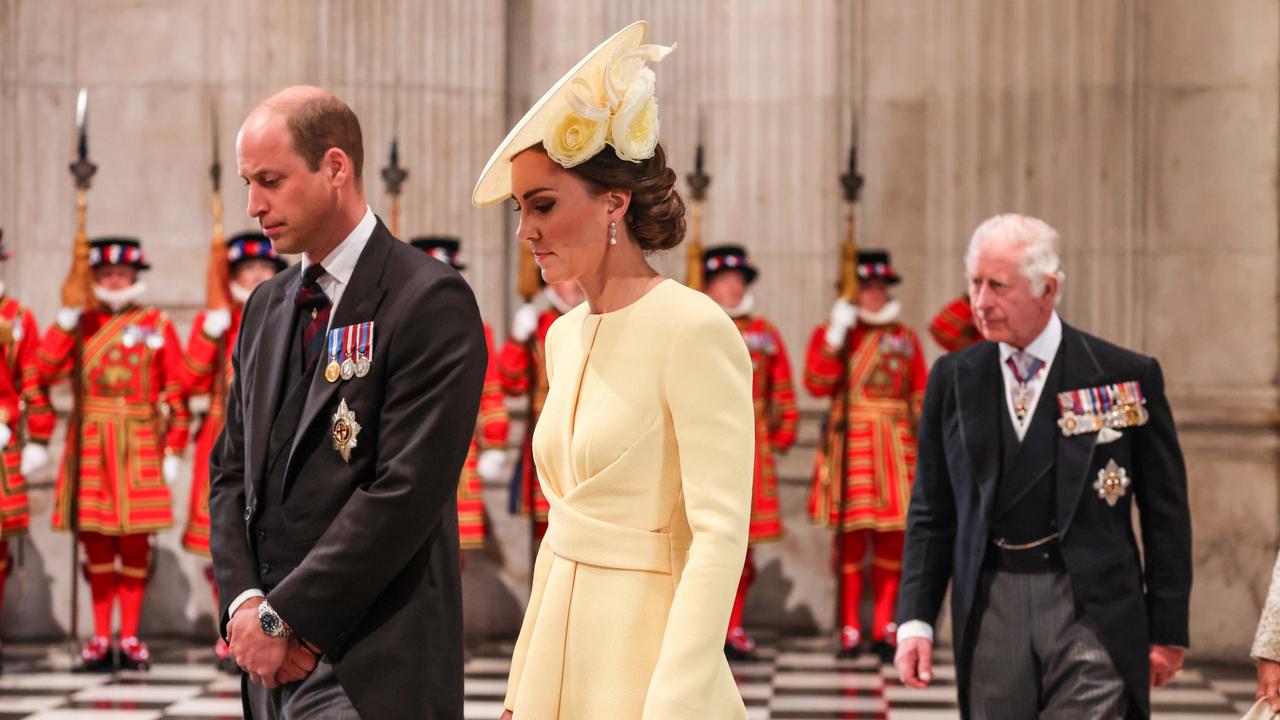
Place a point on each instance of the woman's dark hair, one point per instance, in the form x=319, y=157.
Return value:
x=655, y=219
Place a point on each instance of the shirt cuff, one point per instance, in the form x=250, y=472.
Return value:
x=241, y=598
x=915, y=629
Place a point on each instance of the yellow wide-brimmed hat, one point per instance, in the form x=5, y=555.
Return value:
x=606, y=99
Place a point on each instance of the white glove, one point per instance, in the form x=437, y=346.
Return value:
x=525, y=323
x=844, y=315
x=170, y=469
x=68, y=318
x=492, y=465
x=216, y=322
x=34, y=457
x=5, y=435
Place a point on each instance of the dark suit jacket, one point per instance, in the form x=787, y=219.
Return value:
x=376, y=584
x=1131, y=603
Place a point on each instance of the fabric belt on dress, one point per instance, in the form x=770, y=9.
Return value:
x=579, y=540
x=584, y=539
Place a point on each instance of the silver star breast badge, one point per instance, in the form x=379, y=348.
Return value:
x=345, y=429
x=1112, y=483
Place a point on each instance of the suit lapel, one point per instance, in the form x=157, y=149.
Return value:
x=273, y=353
x=979, y=396
x=1080, y=369
x=359, y=302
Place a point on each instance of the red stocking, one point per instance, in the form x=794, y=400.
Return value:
x=135, y=558
x=855, y=549
x=740, y=600
x=100, y=551
x=886, y=570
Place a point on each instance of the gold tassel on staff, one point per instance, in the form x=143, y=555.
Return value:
x=394, y=176
x=698, y=182
x=77, y=292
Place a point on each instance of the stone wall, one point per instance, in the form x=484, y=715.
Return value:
x=1145, y=131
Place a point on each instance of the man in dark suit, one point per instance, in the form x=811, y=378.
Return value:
x=1033, y=448
x=357, y=380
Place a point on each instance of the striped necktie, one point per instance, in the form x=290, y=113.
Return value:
x=315, y=304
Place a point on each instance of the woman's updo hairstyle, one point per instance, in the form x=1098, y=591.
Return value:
x=655, y=219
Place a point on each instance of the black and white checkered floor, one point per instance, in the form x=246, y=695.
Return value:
x=796, y=680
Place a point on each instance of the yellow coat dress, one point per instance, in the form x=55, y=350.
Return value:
x=644, y=450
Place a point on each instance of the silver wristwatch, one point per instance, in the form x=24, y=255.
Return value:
x=270, y=621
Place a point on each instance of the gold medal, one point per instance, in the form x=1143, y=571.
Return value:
x=344, y=430
x=1069, y=423
x=332, y=371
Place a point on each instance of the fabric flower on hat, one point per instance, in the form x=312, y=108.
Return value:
x=616, y=106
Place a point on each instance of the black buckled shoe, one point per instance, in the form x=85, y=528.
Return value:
x=850, y=643
x=96, y=656
x=884, y=651
x=134, y=654
x=739, y=647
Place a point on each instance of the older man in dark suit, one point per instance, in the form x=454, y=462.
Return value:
x=1034, y=447
x=357, y=381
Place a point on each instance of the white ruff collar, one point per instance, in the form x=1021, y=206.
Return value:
x=744, y=308
x=240, y=293
x=118, y=300
x=557, y=302
x=883, y=316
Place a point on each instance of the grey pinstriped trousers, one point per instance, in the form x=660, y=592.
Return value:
x=318, y=697
x=1036, y=658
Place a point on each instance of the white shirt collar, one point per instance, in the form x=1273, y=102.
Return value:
x=1044, y=347
x=341, y=262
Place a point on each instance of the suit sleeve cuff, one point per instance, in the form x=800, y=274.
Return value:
x=241, y=598
x=915, y=629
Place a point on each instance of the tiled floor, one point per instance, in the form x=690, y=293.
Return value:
x=797, y=680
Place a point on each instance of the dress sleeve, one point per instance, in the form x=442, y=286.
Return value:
x=708, y=392
x=541, y=568
x=1266, y=642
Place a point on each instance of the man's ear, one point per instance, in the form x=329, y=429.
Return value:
x=336, y=165
x=1050, y=288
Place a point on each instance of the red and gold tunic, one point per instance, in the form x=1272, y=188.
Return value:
x=134, y=411
x=197, y=374
x=22, y=398
x=519, y=364
x=953, y=327
x=491, y=434
x=776, y=418
x=886, y=381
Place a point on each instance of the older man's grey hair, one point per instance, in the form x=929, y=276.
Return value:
x=1038, y=241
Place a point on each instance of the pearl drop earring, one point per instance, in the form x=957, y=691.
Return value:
x=613, y=233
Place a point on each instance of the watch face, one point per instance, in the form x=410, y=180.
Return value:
x=270, y=622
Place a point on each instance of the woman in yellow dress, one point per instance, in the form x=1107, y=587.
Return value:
x=645, y=445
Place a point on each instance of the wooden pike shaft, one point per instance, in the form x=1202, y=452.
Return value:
x=693, y=252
